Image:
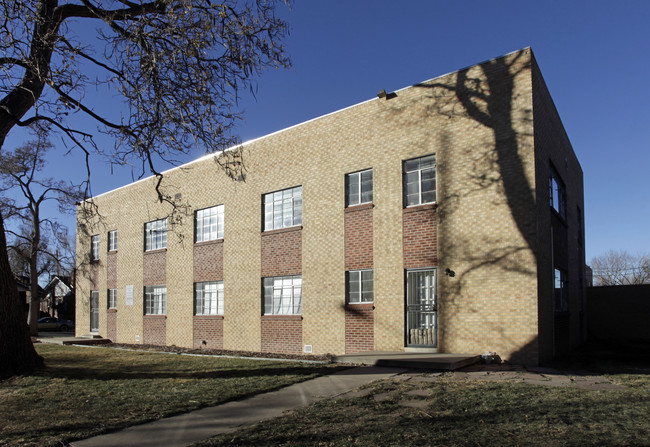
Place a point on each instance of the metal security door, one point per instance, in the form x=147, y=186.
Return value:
x=421, y=308
x=94, y=311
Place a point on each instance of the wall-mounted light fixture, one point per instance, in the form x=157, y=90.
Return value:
x=449, y=272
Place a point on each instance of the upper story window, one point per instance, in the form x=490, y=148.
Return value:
x=112, y=240
x=112, y=298
x=360, y=286
x=283, y=295
x=209, y=224
x=155, y=300
x=208, y=298
x=557, y=193
x=155, y=235
x=419, y=180
x=283, y=209
x=94, y=250
x=358, y=188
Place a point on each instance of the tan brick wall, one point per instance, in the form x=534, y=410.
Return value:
x=208, y=261
x=359, y=328
x=486, y=230
x=208, y=331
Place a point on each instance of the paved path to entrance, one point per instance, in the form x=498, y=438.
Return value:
x=197, y=425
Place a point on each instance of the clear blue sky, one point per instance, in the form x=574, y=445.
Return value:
x=594, y=55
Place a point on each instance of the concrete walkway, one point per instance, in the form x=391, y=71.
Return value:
x=201, y=424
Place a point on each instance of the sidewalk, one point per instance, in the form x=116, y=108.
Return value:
x=197, y=425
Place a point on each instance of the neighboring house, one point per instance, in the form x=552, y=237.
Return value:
x=446, y=216
x=25, y=292
x=59, y=298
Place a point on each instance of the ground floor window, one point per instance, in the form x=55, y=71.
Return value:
x=561, y=302
x=155, y=300
x=283, y=295
x=208, y=298
x=112, y=298
x=360, y=286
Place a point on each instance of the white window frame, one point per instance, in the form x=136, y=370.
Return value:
x=356, y=193
x=557, y=193
x=208, y=298
x=94, y=250
x=112, y=298
x=155, y=235
x=208, y=224
x=283, y=209
x=360, y=286
x=282, y=295
x=112, y=240
x=155, y=300
x=414, y=174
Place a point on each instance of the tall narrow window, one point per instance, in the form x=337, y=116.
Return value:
x=112, y=240
x=419, y=180
x=557, y=193
x=94, y=252
x=283, y=209
x=208, y=298
x=283, y=295
x=360, y=286
x=112, y=298
x=358, y=188
x=155, y=235
x=561, y=295
x=209, y=224
x=155, y=300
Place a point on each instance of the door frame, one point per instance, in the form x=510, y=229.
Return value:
x=434, y=311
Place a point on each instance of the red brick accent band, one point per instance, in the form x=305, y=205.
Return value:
x=111, y=270
x=111, y=325
x=155, y=268
x=208, y=331
x=155, y=330
x=359, y=328
x=420, y=236
x=282, y=334
x=282, y=252
x=208, y=261
x=358, y=237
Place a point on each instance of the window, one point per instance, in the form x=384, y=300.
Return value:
x=283, y=295
x=283, y=209
x=155, y=300
x=112, y=298
x=360, y=287
x=561, y=296
x=209, y=224
x=419, y=180
x=358, y=188
x=155, y=235
x=94, y=253
x=112, y=240
x=208, y=298
x=557, y=193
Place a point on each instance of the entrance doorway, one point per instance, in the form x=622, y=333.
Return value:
x=421, y=308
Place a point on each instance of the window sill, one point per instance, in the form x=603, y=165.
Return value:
x=282, y=230
x=282, y=317
x=211, y=242
x=158, y=250
x=358, y=306
x=363, y=206
x=111, y=310
x=423, y=207
x=112, y=251
x=155, y=317
x=208, y=317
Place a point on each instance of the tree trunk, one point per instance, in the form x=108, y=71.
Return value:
x=35, y=302
x=17, y=353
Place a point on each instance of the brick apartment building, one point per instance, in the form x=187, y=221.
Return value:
x=447, y=215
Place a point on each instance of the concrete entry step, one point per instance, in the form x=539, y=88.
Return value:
x=419, y=360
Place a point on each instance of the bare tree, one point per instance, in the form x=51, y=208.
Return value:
x=177, y=65
x=616, y=268
x=21, y=171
